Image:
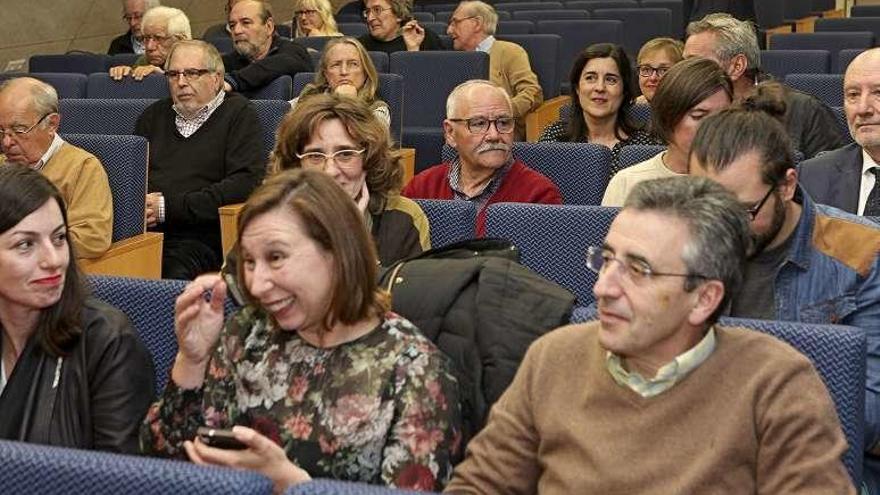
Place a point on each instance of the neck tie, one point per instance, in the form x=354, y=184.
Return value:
x=872, y=206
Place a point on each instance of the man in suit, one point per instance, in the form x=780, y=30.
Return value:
x=472, y=28
x=845, y=178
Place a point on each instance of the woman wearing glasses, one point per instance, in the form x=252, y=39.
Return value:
x=347, y=69
x=314, y=18
x=392, y=29
x=655, y=58
x=602, y=95
x=317, y=377
x=692, y=90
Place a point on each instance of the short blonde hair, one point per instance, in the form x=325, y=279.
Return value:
x=674, y=49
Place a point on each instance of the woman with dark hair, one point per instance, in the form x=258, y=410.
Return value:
x=602, y=94
x=73, y=371
x=317, y=377
x=692, y=90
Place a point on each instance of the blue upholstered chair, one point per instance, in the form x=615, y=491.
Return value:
x=865, y=11
x=553, y=240
x=80, y=63
x=515, y=27
x=641, y=24
x=355, y=29
x=450, y=221
x=101, y=116
x=120, y=59
x=334, y=487
x=515, y=6
x=270, y=113
x=222, y=43
x=781, y=63
x=279, y=89
x=826, y=87
x=66, y=84
x=592, y=5
x=769, y=14
x=631, y=155
x=543, y=50
x=676, y=9
x=845, y=56
x=423, y=16
x=539, y=15
x=314, y=42
x=101, y=85
x=30, y=468
x=831, y=41
x=849, y=24
x=578, y=34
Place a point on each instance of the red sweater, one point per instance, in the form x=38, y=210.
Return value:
x=520, y=185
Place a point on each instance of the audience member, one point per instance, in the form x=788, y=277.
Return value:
x=602, y=96
x=205, y=152
x=472, y=28
x=314, y=18
x=132, y=13
x=479, y=126
x=811, y=125
x=29, y=121
x=347, y=69
x=260, y=55
x=845, y=178
x=161, y=28
x=809, y=262
x=392, y=28
x=317, y=375
x=655, y=58
x=74, y=372
x=664, y=400
x=692, y=90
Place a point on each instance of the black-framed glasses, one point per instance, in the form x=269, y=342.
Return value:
x=648, y=71
x=132, y=17
x=188, y=74
x=152, y=37
x=755, y=209
x=480, y=125
x=454, y=22
x=18, y=131
x=376, y=11
x=635, y=270
x=344, y=159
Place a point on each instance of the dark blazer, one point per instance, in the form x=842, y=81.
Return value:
x=121, y=44
x=833, y=178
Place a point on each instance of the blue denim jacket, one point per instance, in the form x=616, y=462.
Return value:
x=832, y=275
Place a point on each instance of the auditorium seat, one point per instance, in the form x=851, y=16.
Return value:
x=831, y=41
x=578, y=34
x=101, y=85
x=591, y=5
x=676, y=9
x=270, y=113
x=67, y=85
x=826, y=87
x=450, y=221
x=80, y=63
x=279, y=89
x=780, y=63
x=514, y=6
x=543, y=51
x=850, y=24
x=515, y=27
x=355, y=29
x=641, y=24
x=633, y=154
x=538, y=15
x=335, y=487
x=100, y=115
x=845, y=56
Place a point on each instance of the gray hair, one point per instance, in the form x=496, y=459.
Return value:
x=212, y=58
x=175, y=21
x=718, y=225
x=485, y=12
x=733, y=36
x=148, y=4
x=44, y=98
x=459, y=91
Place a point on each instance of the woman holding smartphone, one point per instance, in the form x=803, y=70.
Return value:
x=314, y=376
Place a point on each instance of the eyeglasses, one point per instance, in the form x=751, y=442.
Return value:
x=454, y=22
x=132, y=17
x=376, y=11
x=753, y=211
x=188, y=74
x=635, y=270
x=648, y=71
x=153, y=37
x=18, y=131
x=309, y=12
x=480, y=125
x=343, y=159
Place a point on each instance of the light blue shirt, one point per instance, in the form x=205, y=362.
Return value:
x=486, y=44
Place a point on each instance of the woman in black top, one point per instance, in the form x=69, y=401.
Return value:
x=393, y=30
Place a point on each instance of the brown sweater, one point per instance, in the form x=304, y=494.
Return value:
x=753, y=418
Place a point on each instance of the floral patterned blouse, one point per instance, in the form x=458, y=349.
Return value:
x=380, y=409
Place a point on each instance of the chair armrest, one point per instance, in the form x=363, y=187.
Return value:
x=408, y=161
x=229, y=225
x=544, y=115
x=139, y=256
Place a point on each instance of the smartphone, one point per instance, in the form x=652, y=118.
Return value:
x=221, y=439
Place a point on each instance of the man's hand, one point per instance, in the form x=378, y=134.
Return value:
x=120, y=71
x=142, y=71
x=413, y=35
x=152, y=201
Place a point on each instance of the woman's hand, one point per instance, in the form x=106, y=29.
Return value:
x=197, y=323
x=413, y=35
x=346, y=89
x=262, y=455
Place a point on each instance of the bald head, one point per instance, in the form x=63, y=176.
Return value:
x=29, y=118
x=30, y=93
x=469, y=92
x=861, y=85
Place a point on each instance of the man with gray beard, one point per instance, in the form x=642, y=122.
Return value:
x=479, y=125
x=260, y=55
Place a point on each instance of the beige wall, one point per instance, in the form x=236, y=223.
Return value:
x=57, y=26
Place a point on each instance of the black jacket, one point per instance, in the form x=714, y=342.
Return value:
x=121, y=44
x=98, y=399
x=483, y=312
x=834, y=178
x=284, y=57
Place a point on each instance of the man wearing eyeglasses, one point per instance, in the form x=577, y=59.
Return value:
x=472, y=28
x=655, y=397
x=206, y=151
x=479, y=126
x=161, y=28
x=810, y=262
x=260, y=55
x=392, y=28
x=29, y=124
x=132, y=13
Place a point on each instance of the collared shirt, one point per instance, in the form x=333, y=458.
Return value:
x=57, y=142
x=486, y=44
x=668, y=375
x=187, y=126
x=482, y=197
x=136, y=45
x=867, y=182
